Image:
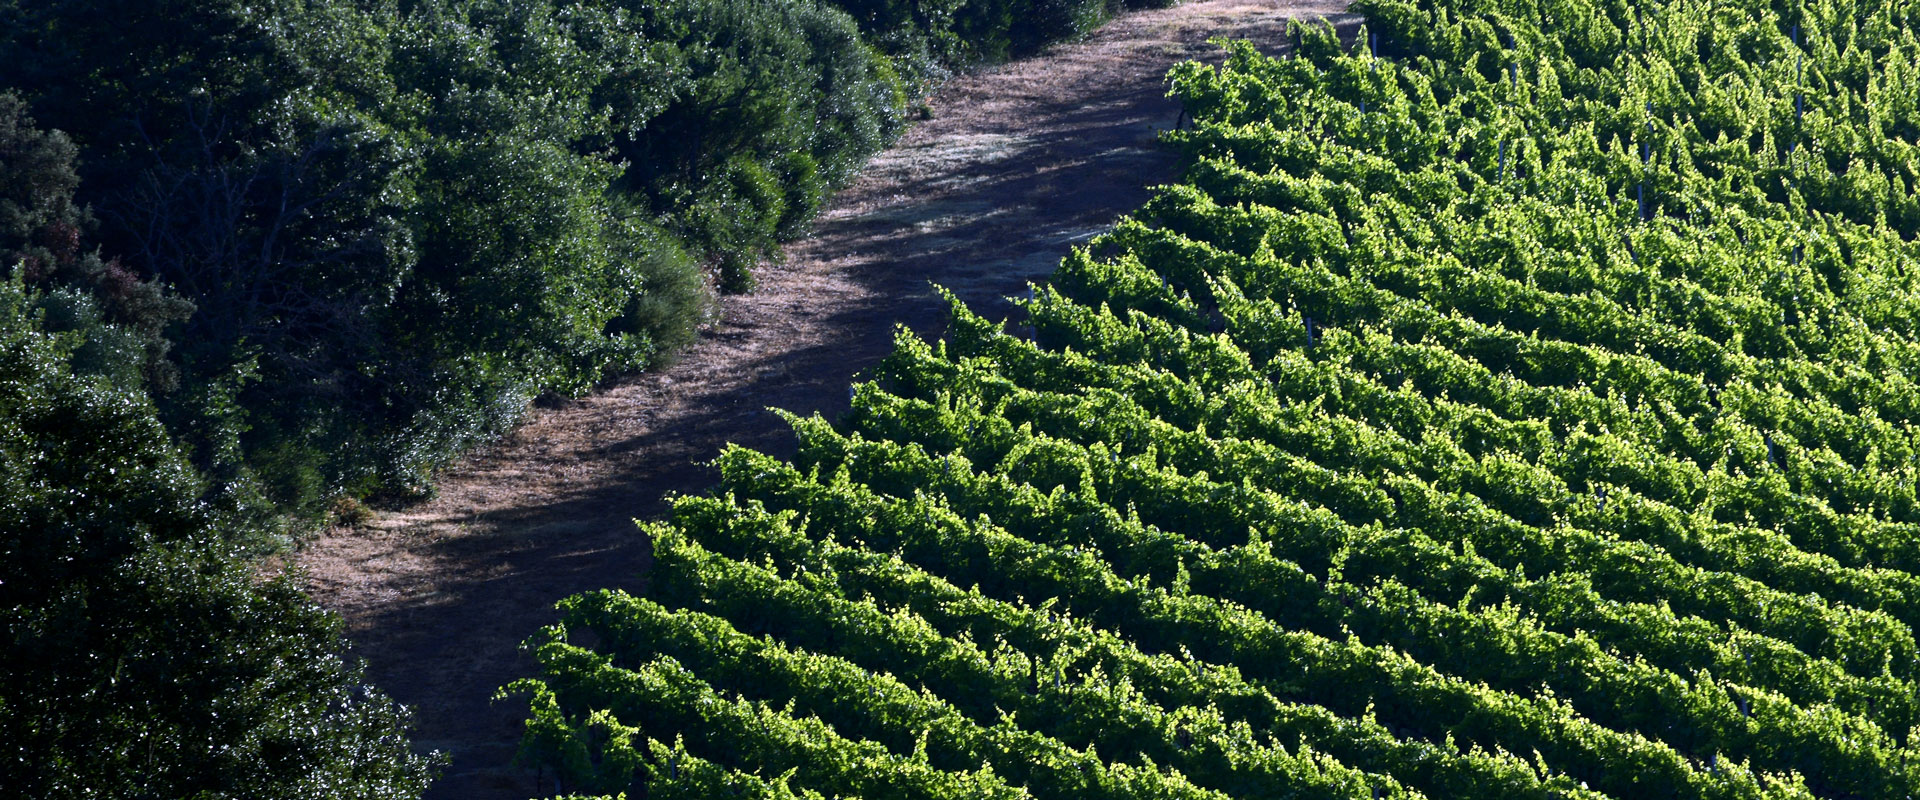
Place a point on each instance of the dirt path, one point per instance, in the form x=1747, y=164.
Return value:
x=1018, y=164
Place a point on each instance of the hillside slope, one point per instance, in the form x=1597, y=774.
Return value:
x=1517, y=400
x=1017, y=164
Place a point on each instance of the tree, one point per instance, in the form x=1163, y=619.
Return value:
x=120, y=319
x=141, y=657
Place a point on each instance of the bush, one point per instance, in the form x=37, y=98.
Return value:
x=781, y=101
x=671, y=299
x=929, y=38
x=1046, y=21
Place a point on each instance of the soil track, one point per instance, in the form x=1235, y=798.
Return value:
x=1018, y=163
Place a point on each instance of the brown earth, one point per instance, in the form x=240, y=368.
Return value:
x=1017, y=164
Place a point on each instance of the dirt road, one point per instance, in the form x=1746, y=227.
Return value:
x=1017, y=164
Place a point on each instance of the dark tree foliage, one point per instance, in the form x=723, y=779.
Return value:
x=119, y=319
x=524, y=260
x=775, y=102
x=140, y=659
x=243, y=154
x=930, y=37
x=396, y=222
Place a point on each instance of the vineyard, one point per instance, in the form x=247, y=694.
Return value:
x=1516, y=401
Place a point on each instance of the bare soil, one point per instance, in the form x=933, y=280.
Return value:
x=1017, y=164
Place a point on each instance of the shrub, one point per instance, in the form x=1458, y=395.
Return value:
x=781, y=101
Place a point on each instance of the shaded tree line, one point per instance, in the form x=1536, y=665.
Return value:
x=257, y=257
x=342, y=240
